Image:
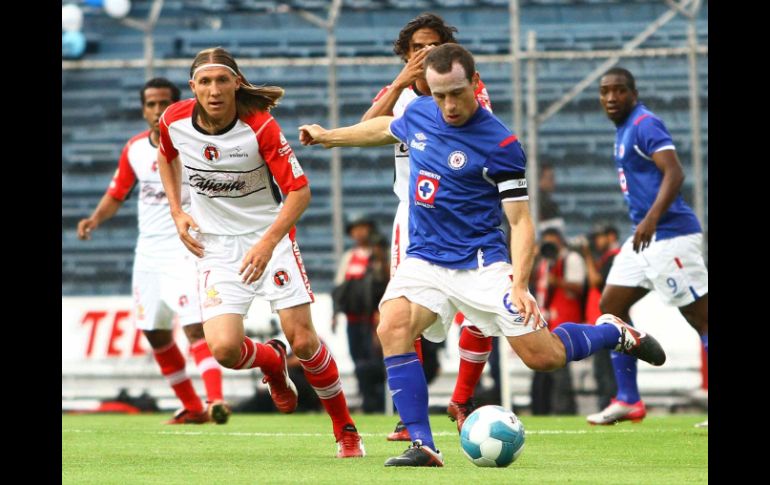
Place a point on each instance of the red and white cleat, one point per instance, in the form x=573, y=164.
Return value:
x=282, y=390
x=184, y=416
x=349, y=443
x=619, y=411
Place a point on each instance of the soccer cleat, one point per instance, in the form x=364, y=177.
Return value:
x=219, y=412
x=282, y=390
x=633, y=342
x=185, y=416
x=400, y=433
x=417, y=455
x=460, y=411
x=619, y=411
x=704, y=424
x=349, y=443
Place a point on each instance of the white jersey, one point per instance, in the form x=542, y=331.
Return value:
x=158, y=246
x=401, y=150
x=236, y=176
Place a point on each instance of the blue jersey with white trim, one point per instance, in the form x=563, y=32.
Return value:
x=637, y=139
x=458, y=176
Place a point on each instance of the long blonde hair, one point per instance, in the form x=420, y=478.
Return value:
x=248, y=98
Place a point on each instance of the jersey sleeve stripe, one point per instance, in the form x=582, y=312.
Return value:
x=664, y=147
x=641, y=153
x=639, y=119
x=508, y=141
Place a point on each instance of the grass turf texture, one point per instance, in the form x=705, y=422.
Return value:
x=266, y=448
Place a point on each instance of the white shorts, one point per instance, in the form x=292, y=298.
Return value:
x=674, y=267
x=483, y=295
x=284, y=283
x=399, y=238
x=160, y=295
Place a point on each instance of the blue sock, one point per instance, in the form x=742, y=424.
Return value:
x=705, y=339
x=581, y=340
x=624, y=366
x=409, y=391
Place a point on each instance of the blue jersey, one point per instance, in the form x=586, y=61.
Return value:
x=641, y=135
x=458, y=177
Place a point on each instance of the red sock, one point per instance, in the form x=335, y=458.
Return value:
x=255, y=354
x=209, y=368
x=172, y=366
x=474, y=352
x=321, y=372
x=418, y=348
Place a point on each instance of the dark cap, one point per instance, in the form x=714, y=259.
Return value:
x=360, y=221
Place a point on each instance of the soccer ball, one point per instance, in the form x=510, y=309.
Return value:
x=492, y=436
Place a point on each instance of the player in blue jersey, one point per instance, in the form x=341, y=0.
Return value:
x=466, y=170
x=664, y=253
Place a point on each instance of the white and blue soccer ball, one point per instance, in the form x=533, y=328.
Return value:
x=492, y=436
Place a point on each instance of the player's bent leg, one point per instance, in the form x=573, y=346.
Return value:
x=627, y=404
x=225, y=336
x=474, y=353
x=400, y=321
x=540, y=350
x=321, y=372
x=211, y=373
x=696, y=313
x=172, y=365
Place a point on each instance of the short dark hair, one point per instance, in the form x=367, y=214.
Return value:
x=444, y=56
x=619, y=71
x=552, y=231
x=425, y=20
x=161, y=82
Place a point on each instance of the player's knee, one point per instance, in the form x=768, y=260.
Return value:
x=544, y=360
x=609, y=305
x=226, y=355
x=394, y=330
x=304, y=344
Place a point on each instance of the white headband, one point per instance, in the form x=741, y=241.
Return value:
x=207, y=66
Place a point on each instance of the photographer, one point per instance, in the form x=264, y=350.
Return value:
x=560, y=275
x=362, y=276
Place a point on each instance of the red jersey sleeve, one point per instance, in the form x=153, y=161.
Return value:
x=166, y=146
x=124, y=179
x=381, y=94
x=483, y=96
x=278, y=155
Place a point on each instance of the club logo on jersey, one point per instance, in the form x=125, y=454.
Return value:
x=154, y=167
x=621, y=150
x=457, y=160
x=183, y=301
x=210, y=152
x=427, y=185
x=212, y=297
x=281, y=278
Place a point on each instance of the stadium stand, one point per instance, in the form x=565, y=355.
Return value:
x=99, y=106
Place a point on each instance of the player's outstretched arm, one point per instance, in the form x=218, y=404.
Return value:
x=105, y=209
x=371, y=133
x=522, y=258
x=673, y=178
x=171, y=177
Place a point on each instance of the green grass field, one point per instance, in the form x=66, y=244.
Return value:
x=251, y=448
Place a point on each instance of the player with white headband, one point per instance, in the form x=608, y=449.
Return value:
x=240, y=166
